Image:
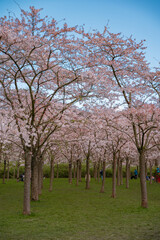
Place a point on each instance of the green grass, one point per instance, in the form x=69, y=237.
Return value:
x=73, y=213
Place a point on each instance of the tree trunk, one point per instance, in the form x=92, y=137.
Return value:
x=80, y=171
x=121, y=173
x=146, y=168
x=137, y=171
x=118, y=172
x=98, y=170
x=95, y=171
x=8, y=170
x=144, y=201
x=0, y=152
x=114, y=176
x=51, y=173
x=40, y=175
x=27, y=183
x=87, y=172
x=4, y=172
x=18, y=166
x=104, y=176
x=34, y=179
x=150, y=170
x=57, y=171
x=127, y=173
x=77, y=180
x=70, y=172
x=74, y=170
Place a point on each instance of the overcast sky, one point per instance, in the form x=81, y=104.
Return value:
x=140, y=18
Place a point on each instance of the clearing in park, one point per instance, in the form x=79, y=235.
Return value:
x=70, y=212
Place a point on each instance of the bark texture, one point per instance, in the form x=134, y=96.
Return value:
x=57, y=171
x=51, y=173
x=80, y=171
x=34, y=179
x=18, y=166
x=40, y=175
x=74, y=170
x=144, y=200
x=70, y=172
x=104, y=176
x=150, y=172
x=118, y=172
x=121, y=173
x=87, y=172
x=27, y=183
x=4, y=172
x=114, y=176
x=95, y=171
x=127, y=172
x=98, y=171
x=77, y=179
x=8, y=170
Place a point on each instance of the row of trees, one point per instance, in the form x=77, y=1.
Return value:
x=62, y=92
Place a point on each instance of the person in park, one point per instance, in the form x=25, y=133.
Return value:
x=158, y=175
x=22, y=177
x=101, y=174
x=135, y=174
x=147, y=178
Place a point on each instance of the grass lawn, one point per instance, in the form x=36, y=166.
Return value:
x=73, y=213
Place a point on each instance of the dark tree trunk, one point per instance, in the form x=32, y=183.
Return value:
x=146, y=168
x=34, y=179
x=118, y=172
x=27, y=183
x=150, y=170
x=127, y=172
x=114, y=176
x=18, y=166
x=137, y=171
x=77, y=179
x=144, y=201
x=121, y=173
x=0, y=152
x=4, y=172
x=95, y=171
x=51, y=173
x=80, y=171
x=104, y=176
x=8, y=170
x=40, y=175
x=98, y=170
x=74, y=170
x=70, y=172
x=87, y=172
x=57, y=171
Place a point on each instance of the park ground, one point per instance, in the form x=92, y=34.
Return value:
x=70, y=212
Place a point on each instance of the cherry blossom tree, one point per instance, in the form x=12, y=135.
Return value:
x=40, y=79
x=122, y=60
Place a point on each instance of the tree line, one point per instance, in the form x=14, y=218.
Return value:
x=66, y=94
